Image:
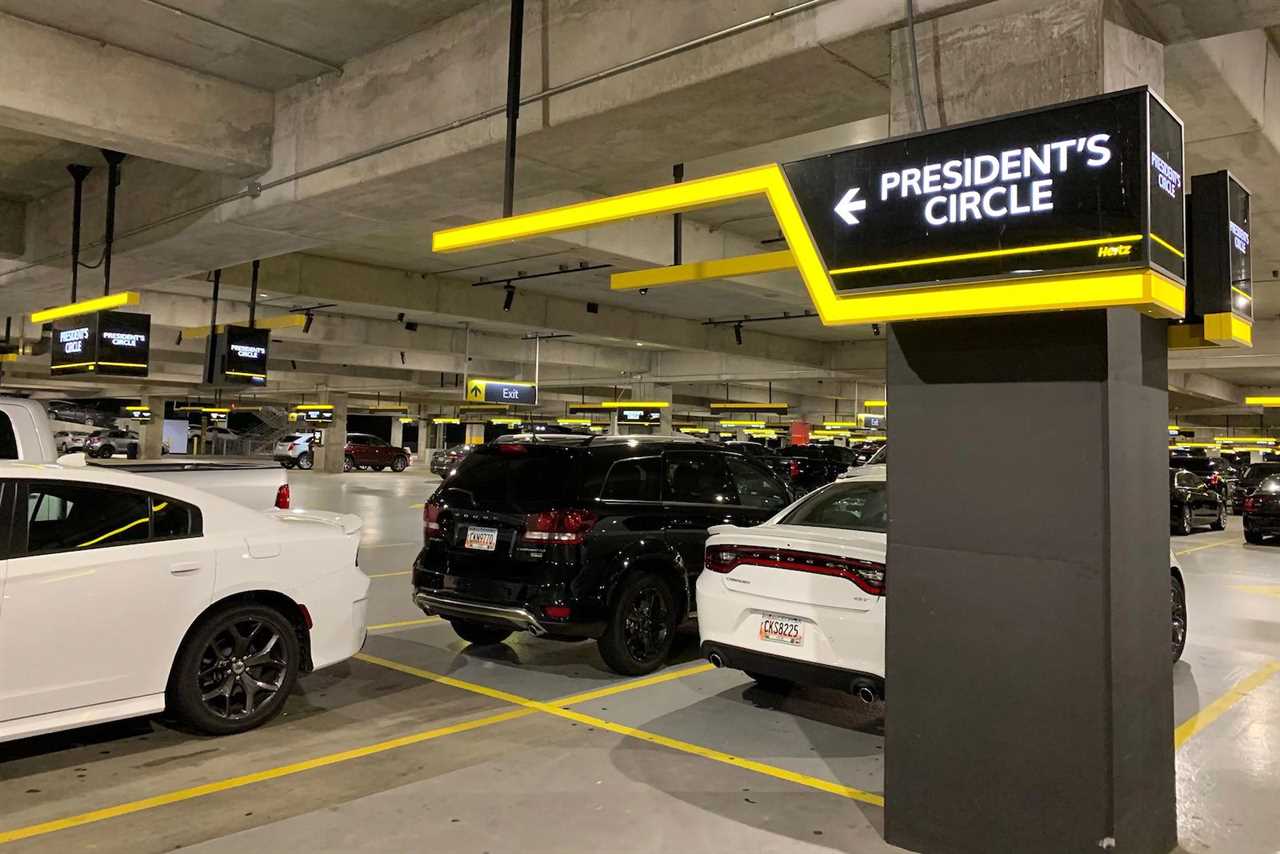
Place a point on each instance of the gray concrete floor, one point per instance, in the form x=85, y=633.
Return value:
x=370, y=757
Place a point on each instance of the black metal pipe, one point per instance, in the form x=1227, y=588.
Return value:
x=514, y=53
x=114, y=158
x=78, y=174
x=677, y=241
x=524, y=277
x=253, y=294
x=748, y=319
x=213, y=327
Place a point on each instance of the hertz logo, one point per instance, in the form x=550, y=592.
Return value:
x=1115, y=250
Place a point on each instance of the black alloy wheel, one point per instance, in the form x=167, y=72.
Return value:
x=305, y=462
x=1178, y=598
x=1186, y=527
x=642, y=629
x=235, y=670
x=106, y=452
x=399, y=464
x=1220, y=521
x=348, y=463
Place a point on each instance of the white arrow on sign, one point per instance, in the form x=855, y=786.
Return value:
x=849, y=206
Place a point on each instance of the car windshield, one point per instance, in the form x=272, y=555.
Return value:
x=1259, y=471
x=849, y=505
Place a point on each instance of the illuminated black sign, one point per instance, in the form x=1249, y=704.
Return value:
x=1221, y=270
x=1094, y=185
x=244, y=355
x=502, y=391
x=317, y=414
x=108, y=343
x=639, y=416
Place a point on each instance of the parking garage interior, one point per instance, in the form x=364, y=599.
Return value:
x=366, y=251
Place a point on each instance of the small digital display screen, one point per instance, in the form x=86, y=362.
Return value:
x=315, y=416
x=108, y=343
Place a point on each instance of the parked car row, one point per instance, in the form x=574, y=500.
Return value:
x=362, y=451
x=608, y=538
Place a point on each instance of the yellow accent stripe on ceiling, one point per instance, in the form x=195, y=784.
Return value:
x=697, y=271
x=280, y=321
x=86, y=306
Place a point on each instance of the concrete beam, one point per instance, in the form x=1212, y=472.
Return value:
x=13, y=227
x=1175, y=21
x=1206, y=387
x=73, y=88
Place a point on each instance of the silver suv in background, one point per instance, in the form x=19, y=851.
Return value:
x=294, y=450
x=107, y=443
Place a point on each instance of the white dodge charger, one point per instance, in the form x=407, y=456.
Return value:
x=800, y=598
x=122, y=595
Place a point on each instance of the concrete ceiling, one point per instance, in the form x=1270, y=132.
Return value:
x=331, y=30
x=32, y=166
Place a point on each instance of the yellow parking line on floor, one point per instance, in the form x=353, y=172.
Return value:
x=1219, y=707
x=669, y=676
x=403, y=624
x=1213, y=545
x=256, y=777
x=390, y=574
x=417, y=506
x=1272, y=590
x=555, y=707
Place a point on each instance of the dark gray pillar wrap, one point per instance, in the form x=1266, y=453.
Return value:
x=1029, y=681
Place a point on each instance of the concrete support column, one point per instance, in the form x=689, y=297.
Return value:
x=425, y=435
x=329, y=455
x=397, y=431
x=151, y=436
x=1006, y=601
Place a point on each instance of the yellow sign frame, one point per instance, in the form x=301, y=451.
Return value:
x=1144, y=290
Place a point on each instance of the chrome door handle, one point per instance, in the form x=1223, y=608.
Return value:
x=184, y=568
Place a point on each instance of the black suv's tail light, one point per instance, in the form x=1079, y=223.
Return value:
x=431, y=528
x=568, y=527
x=867, y=575
x=793, y=468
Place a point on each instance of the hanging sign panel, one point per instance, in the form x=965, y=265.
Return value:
x=1220, y=295
x=1087, y=187
x=244, y=357
x=107, y=343
x=502, y=391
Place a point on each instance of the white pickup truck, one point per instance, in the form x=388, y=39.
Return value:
x=26, y=436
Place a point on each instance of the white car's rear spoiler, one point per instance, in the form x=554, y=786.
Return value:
x=349, y=523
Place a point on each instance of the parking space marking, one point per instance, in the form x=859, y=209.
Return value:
x=556, y=707
x=390, y=574
x=403, y=624
x=1206, y=546
x=1219, y=707
x=1272, y=590
x=256, y=777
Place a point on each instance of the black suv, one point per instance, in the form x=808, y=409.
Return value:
x=571, y=537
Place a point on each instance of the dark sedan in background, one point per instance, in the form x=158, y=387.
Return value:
x=443, y=461
x=1262, y=511
x=1193, y=504
x=1218, y=474
x=817, y=465
x=1252, y=477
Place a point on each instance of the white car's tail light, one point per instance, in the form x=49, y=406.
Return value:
x=867, y=575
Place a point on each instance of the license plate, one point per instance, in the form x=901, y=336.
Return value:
x=484, y=539
x=781, y=629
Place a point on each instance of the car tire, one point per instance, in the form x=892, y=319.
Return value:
x=772, y=684
x=377, y=468
x=228, y=660
x=642, y=626
x=305, y=461
x=348, y=463
x=1185, y=526
x=106, y=452
x=1253, y=538
x=399, y=464
x=1220, y=522
x=478, y=633
x=1178, y=600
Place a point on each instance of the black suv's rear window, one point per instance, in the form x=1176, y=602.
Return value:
x=516, y=478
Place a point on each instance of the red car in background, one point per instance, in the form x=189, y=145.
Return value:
x=372, y=452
